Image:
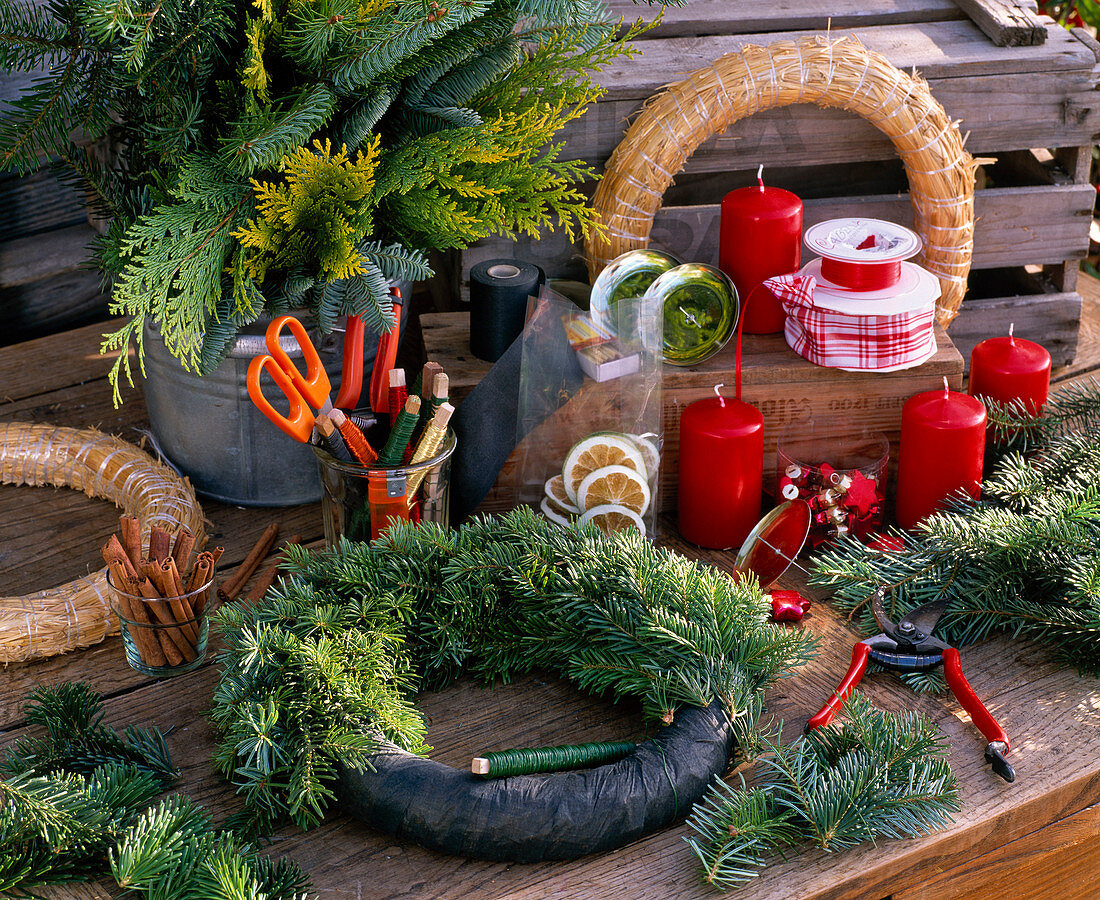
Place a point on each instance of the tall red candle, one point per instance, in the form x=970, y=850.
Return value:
x=760, y=236
x=721, y=471
x=1008, y=369
x=942, y=451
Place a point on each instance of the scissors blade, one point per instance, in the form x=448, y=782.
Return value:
x=925, y=617
x=881, y=619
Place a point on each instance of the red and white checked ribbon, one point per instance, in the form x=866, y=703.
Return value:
x=845, y=341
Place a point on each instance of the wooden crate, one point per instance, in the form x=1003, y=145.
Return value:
x=46, y=284
x=1033, y=111
x=789, y=391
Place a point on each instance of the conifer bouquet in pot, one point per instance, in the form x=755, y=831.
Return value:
x=299, y=153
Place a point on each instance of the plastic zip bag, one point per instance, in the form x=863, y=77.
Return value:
x=589, y=448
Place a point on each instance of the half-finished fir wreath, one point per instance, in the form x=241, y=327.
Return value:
x=316, y=702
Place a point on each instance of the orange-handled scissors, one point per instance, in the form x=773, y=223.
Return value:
x=302, y=391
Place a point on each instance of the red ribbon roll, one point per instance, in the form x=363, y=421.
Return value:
x=855, y=276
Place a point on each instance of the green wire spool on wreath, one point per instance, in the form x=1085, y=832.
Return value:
x=316, y=698
x=840, y=74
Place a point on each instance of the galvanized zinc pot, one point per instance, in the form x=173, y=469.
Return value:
x=211, y=431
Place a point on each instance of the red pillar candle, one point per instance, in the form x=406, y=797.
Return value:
x=721, y=471
x=760, y=236
x=1008, y=369
x=942, y=451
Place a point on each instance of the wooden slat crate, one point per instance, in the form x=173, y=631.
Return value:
x=1032, y=111
x=790, y=392
x=45, y=283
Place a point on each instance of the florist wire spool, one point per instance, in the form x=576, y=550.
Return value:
x=78, y=614
x=841, y=74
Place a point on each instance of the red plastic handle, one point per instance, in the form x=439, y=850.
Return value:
x=860, y=652
x=384, y=361
x=314, y=386
x=351, y=373
x=299, y=424
x=964, y=693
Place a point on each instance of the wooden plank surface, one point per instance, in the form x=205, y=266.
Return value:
x=1005, y=22
x=937, y=50
x=1052, y=714
x=1060, y=860
x=37, y=202
x=1052, y=320
x=720, y=17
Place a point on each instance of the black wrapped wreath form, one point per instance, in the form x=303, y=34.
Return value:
x=528, y=818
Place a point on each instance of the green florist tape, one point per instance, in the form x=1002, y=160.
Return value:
x=625, y=277
x=700, y=307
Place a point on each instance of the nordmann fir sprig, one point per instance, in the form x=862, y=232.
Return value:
x=76, y=804
x=874, y=775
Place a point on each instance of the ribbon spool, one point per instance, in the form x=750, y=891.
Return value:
x=499, y=289
x=861, y=255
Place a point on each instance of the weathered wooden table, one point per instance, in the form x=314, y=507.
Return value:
x=1035, y=838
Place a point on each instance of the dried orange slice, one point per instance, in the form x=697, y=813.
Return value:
x=610, y=518
x=555, y=490
x=547, y=508
x=619, y=485
x=596, y=452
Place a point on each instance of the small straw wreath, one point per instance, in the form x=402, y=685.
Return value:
x=842, y=74
x=78, y=614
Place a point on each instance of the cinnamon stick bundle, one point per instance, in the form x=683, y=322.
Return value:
x=151, y=590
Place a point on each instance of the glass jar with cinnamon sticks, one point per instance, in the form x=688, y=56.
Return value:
x=160, y=597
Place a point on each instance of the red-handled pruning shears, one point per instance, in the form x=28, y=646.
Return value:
x=908, y=646
x=384, y=361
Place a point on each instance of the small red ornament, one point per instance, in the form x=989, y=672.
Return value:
x=788, y=606
x=863, y=494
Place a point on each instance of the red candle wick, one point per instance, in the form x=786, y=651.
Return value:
x=946, y=389
x=760, y=177
x=718, y=394
x=1011, y=328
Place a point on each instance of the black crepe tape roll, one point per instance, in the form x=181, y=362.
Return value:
x=499, y=289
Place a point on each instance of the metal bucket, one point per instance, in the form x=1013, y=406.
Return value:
x=212, y=432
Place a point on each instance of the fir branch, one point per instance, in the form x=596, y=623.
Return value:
x=1075, y=407
x=39, y=121
x=262, y=139
x=877, y=774
x=384, y=41
x=359, y=120
x=30, y=37
x=77, y=803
